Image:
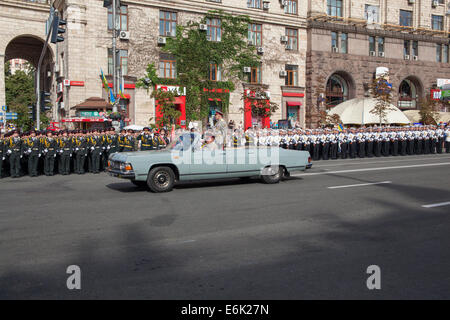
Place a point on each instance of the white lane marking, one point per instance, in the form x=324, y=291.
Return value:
x=360, y=185
x=321, y=163
x=436, y=205
x=371, y=169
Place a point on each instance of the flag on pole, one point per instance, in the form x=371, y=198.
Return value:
x=340, y=127
x=122, y=88
x=104, y=81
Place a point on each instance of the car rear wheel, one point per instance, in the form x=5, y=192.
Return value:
x=272, y=174
x=161, y=179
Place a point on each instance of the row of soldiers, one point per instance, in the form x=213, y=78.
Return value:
x=375, y=141
x=77, y=151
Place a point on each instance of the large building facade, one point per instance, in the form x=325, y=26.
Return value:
x=316, y=53
x=349, y=40
x=280, y=30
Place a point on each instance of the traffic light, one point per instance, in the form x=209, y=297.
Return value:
x=45, y=101
x=56, y=30
x=32, y=112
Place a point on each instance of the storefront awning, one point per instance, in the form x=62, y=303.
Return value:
x=293, y=103
x=85, y=120
x=94, y=103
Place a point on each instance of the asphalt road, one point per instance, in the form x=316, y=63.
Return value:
x=312, y=236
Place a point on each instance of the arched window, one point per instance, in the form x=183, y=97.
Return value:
x=407, y=95
x=336, y=91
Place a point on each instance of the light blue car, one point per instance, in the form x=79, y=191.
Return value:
x=187, y=159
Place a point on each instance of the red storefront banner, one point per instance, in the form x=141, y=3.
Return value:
x=126, y=85
x=77, y=83
x=293, y=94
x=436, y=94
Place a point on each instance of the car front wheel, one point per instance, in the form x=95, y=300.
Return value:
x=272, y=174
x=161, y=179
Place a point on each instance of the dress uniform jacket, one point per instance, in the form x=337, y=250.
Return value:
x=49, y=149
x=32, y=147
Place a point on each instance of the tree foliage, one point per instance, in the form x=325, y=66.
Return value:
x=166, y=103
x=259, y=102
x=327, y=120
x=428, y=111
x=381, y=91
x=194, y=54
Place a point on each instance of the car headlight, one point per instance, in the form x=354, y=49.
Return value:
x=126, y=167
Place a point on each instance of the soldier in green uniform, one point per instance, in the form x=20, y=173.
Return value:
x=108, y=145
x=114, y=147
x=32, y=147
x=80, y=150
x=121, y=140
x=65, y=153
x=146, y=140
x=129, y=141
x=2, y=153
x=49, y=149
x=15, y=150
x=95, y=145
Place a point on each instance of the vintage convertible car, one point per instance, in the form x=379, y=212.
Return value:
x=186, y=159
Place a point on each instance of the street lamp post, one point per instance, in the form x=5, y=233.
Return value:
x=114, y=48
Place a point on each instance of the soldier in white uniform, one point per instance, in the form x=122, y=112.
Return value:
x=447, y=139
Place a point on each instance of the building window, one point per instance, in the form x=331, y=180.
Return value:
x=445, y=53
x=256, y=4
x=254, y=76
x=344, y=43
x=437, y=22
x=371, y=13
x=334, y=8
x=438, y=52
x=292, y=35
x=405, y=18
x=122, y=58
x=415, y=48
x=167, y=23
x=291, y=7
x=292, y=75
x=334, y=43
x=380, y=45
x=407, y=95
x=215, y=72
x=371, y=44
x=340, y=42
x=214, y=32
x=336, y=90
x=255, y=34
x=167, y=69
x=406, y=48
x=121, y=17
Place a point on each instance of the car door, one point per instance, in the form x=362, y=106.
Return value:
x=242, y=161
x=207, y=164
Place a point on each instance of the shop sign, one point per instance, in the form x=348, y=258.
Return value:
x=180, y=91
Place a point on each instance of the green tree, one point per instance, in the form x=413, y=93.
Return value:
x=166, y=103
x=194, y=54
x=259, y=102
x=20, y=93
x=381, y=91
x=428, y=111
